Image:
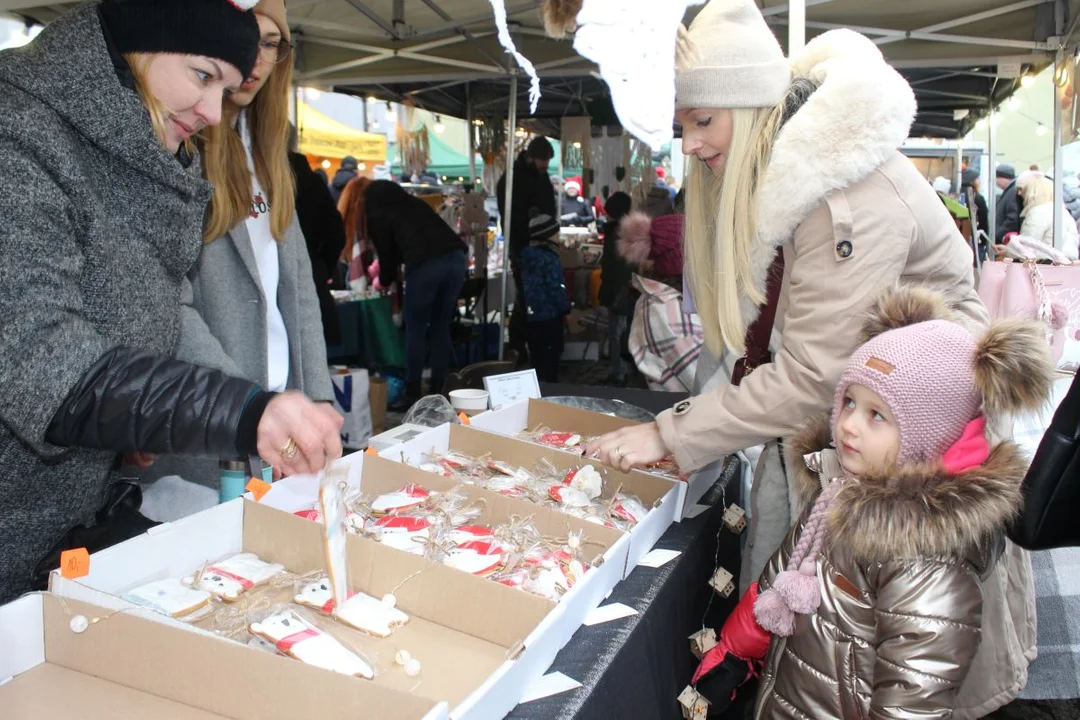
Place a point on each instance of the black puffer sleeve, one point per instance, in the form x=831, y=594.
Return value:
x=135, y=401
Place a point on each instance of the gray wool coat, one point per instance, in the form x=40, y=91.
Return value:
x=223, y=326
x=99, y=226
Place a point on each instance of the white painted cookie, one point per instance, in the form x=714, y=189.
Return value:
x=403, y=532
x=360, y=611
x=169, y=597
x=408, y=496
x=479, y=557
x=586, y=479
x=231, y=578
x=297, y=638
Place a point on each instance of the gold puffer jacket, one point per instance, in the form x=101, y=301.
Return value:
x=901, y=577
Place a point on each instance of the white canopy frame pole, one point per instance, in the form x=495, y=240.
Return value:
x=990, y=192
x=471, y=130
x=1059, y=160
x=796, y=26
x=508, y=205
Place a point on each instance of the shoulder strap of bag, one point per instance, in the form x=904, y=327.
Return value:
x=760, y=331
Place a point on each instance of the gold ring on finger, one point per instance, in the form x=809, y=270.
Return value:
x=290, y=450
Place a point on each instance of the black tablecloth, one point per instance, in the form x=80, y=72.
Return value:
x=636, y=667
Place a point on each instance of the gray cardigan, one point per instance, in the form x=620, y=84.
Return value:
x=99, y=225
x=223, y=326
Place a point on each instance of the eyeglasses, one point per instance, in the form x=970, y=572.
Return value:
x=274, y=51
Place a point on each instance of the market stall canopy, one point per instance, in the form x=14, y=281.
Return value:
x=439, y=53
x=322, y=136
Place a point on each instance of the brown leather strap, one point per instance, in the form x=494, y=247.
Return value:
x=760, y=331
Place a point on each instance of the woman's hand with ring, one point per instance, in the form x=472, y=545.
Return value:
x=297, y=435
x=630, y=447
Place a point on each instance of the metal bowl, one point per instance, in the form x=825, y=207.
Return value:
x=602, y=405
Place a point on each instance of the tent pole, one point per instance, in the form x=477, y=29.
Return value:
x=1059, y=161
x=471, y=145
x=991, y=189
x=508, y=205
x=796, y=26
x=959, y=176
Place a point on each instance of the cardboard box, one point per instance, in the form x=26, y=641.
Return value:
x=531, y=414
x=462, y=628
x=127, y=666
x=657, y=493
x=481, y=644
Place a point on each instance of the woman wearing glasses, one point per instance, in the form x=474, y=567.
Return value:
x=250, y=306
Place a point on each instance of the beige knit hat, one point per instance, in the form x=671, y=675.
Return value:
x=729, y=58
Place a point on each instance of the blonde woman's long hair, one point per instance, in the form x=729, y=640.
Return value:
x=139, y=64
x=1038, y=191
x=721, y=222
x=225, y=161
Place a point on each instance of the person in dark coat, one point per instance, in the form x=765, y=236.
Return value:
x=574, y=209
x=532, y=189
x=615, y=274
x=407, y=231
x=345, y=173
x=103, y=215
x=325, y=235
x=1009, y=205
x=969, y=182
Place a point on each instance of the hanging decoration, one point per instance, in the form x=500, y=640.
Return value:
x=560, y=17
x=576, y=136
x=508, y=42
x=635, y=49
x=414, y=150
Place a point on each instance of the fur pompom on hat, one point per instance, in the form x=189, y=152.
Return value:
x=635, y=244
x=560, y=17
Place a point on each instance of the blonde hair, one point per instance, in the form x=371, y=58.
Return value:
x=1037, y=191
x=225, y=161
x=721, y=228
x=139, y=64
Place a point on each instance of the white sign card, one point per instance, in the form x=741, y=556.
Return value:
x=511, y=387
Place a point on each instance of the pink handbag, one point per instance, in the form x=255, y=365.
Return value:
x=1050, y=293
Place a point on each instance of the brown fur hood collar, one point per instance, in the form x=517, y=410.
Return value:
x=917, y=510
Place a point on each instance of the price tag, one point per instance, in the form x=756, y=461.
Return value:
x=511, y=387
x=258, y=488
x=75, y=563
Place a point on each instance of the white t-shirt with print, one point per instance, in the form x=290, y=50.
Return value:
x=265, y=249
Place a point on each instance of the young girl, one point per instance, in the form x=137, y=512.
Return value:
x=875, y=598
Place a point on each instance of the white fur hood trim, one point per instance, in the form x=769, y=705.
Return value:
x=860, y=114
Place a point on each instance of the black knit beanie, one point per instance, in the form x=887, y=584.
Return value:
x=220, y=29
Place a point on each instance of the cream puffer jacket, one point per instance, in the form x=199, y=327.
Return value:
x=901, y=577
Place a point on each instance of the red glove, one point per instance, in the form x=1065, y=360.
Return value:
x=741, y=636
x=1008, y=236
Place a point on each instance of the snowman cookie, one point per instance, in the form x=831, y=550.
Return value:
x=479, y=557
x=360, y=611
x=629, y=509
x=465, y=533
x=568, y=496
x=229, y=579
x=586, y=479
x=408, y=496
x=299, y=639
x=403, y=532
x=170, y=597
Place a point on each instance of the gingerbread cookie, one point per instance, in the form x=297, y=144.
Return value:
x=360, y=611
x=170, y=597
x=299, y=639
x=231, y=578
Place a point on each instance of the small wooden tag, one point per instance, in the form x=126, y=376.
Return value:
x=75, y=563
x=880, y=365
x=847, y=586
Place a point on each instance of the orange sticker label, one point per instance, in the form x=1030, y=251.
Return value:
x=464, y=419
x=258, y=488
x=371, y=451
x=75, y=563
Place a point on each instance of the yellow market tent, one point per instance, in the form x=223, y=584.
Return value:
x=324, y=137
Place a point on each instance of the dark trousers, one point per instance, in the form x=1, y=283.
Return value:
x=518, y=330
x=431, y=293
x=546, y=342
